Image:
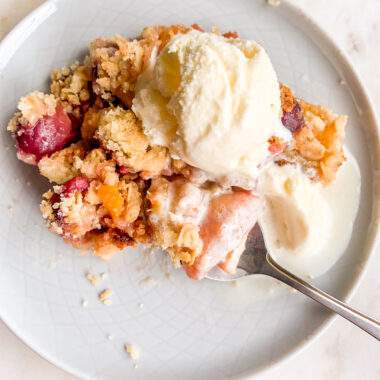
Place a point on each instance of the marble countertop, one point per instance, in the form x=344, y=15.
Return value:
x=344, y=351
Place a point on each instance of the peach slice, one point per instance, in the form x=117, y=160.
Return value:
x=230, y=217
x=111, y=199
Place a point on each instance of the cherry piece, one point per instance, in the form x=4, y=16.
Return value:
x=75, y=185
x=46, y=136
x=293, y=120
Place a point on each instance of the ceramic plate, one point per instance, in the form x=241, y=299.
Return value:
x=185, y=329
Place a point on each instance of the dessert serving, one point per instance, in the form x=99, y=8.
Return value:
x=184, y=140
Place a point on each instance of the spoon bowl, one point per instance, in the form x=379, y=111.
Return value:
x=257, y=260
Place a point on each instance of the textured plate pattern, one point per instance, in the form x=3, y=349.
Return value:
x=185, y=329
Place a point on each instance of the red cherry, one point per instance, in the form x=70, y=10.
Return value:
x=75, y=185
x=293, y=120
x=48, y=135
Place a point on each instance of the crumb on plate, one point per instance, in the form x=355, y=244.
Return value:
x=105, y=294
x=132, y=351
x=93, y=279
x=148, y=282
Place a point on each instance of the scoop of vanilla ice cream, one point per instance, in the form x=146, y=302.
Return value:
x=214, y=102
x=295, y=216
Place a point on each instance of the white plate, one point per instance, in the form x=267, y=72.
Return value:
x=186, y=329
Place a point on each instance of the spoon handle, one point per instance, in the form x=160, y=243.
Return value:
x=370, y=325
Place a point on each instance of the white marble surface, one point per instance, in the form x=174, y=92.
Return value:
x=343, y=352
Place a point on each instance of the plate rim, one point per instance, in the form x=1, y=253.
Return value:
x=373, y=240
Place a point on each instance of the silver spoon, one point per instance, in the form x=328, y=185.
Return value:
x=256, y=260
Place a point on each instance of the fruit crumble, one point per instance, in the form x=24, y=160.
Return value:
x=117, y=182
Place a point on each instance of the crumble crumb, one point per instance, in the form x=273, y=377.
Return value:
x=309, y=277
x=105, y=294
x=35, y=106
x=103, y=275
x=148, y=282
x=93, y=279
x=273, y=3
x=15, y=202
x=140, y=305
x=135, y=366
x=168, y=275
x=84, y=303
x=7, y=148
x=107, y=302
x=110, y=337
x=70, y=86
x=234, y=283
x=63, y=165
x=132, y=351
x=10, y=208
x=342, y=82
x=120, y=132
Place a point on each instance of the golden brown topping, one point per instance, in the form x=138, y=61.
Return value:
x=117, y=63
x=131, y=202
x=287, y=99
x=179, y=237
x=110, y=242
x=61, y=166
x=120, y=132
x=90, y=122
x=33, y=107
x=70, y=86
x=308, y=145
x=157, y=195
x=319, y=144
